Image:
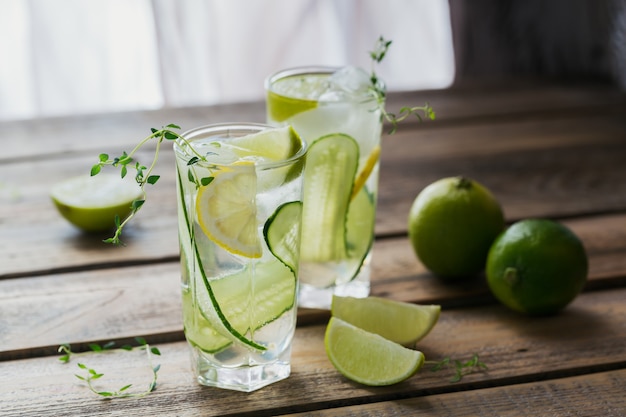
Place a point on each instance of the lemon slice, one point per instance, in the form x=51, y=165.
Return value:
x=368, y=358
x=226, y=210
x=272, y=144
x=403, y=323
x=365, y=172
x=91, y=203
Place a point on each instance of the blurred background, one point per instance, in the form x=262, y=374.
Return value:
x=68, y=57
x=88, y=56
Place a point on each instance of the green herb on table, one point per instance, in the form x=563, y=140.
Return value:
x=470, y=366
x=90, y=375
x=378, y=88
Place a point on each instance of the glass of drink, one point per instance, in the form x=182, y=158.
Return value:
x=240, y=207
x=338, y=112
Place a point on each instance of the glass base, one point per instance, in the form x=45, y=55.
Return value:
x=321, y=298
x=241, y=378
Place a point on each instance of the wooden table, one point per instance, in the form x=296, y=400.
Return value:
x=545, y=150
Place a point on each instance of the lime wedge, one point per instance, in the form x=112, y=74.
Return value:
x=368, y=358
x=273, y=144
x=292, y=95
x=91, y=203
x=400, y=322
x=226, y=210
x=328, y=179
x=282, y=233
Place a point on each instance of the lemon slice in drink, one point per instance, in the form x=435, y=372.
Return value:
x=365, y=172
x=400, y=322
x=91, y=203
x=368, y=358
x=226, y=210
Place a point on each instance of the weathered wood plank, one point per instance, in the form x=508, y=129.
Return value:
x=569, y=167
x=91, y=132
x=38, y=313
x=587, y=337
x=591, y=395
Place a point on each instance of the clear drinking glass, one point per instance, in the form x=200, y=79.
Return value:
x=339, y=115
x=239, y=232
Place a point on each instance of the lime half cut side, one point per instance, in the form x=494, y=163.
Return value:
x=328, y=181
x=91, y=203
x=400, y=322
x=368, y=358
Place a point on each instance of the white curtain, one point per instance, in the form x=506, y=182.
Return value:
x=84, y=56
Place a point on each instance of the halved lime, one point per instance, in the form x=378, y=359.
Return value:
x=328, y=181
x=226, y=210
x=91, y=203
x=368, y=358
x=400, y=322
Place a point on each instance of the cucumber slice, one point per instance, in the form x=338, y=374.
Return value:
x=274, y=293
x=282, y=233
x=329, y=173
x=360, y=229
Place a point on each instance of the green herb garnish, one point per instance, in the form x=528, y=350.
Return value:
x=470, y=366
x=90, y=375
x=143, y=174
x=378, y=88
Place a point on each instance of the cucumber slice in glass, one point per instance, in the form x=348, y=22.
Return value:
x=329, y=173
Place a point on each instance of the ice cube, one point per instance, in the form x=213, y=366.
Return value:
x=352, y=80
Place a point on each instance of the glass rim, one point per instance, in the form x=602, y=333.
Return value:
x=223, y=131
x=309, y=70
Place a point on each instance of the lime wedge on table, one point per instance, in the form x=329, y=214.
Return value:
x=329, y=174
x=91, y=203
x=368, y=358
x=226, y=210
x=400, y=322
x=229, y=311
x=292, y=95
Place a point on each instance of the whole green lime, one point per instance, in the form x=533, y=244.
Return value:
x=537, y=266
x=452, y=224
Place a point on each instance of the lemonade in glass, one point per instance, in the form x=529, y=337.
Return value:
x=339, y=114
x=240, y=206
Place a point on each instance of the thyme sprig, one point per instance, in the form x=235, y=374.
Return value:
x=378, y=88
x=90, y=375
x=143, y=175
x=472, y=365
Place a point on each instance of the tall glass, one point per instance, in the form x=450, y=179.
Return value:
x=239, y=231
x=338, y=113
